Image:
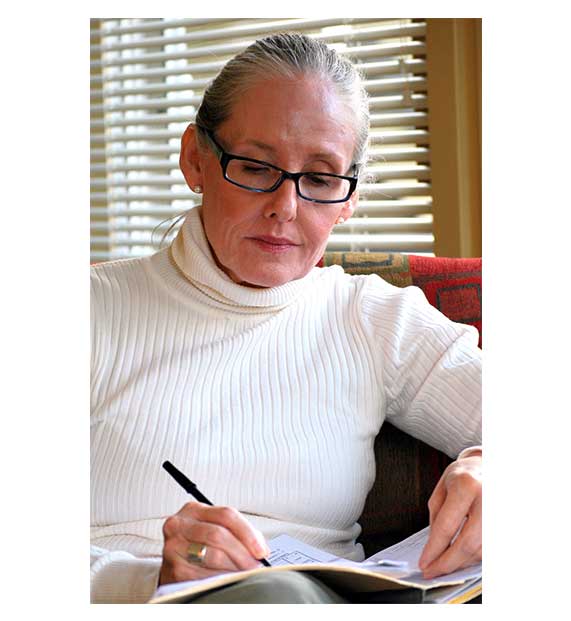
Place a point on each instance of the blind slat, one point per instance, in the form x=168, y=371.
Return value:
x=384, y=242
x=149, y=25
x=378, y=154
x=212, y=26
x=238, y=31
x=378, y=140
x=421, y=242
x=379, y=172
x=420, y=224
x=404, y=208
x=386, y=190
x=413, y=101
x=373, y=86
x=229, y=49
x=408, y=65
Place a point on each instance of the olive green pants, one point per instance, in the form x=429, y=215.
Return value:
x=275, y=588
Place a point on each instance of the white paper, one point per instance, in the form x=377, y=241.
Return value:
x=442, y=595
x=289, y=551
x=409, y=551
x=399, y=561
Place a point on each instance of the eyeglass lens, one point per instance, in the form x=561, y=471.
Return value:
x=312, y=185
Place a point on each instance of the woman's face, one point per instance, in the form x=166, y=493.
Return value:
x=269, y=239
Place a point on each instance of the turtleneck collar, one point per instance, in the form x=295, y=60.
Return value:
x=191, y=252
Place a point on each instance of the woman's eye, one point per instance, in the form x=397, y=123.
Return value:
x=317, y=180
x=248, y=168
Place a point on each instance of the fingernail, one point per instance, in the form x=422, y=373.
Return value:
x=261, y=549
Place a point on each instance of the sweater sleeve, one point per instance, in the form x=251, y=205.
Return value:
x=430, y=368
x=118, y=577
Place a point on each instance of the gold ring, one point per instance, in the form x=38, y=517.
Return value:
x=195, y=553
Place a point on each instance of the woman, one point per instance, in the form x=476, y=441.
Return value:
x=263, y=378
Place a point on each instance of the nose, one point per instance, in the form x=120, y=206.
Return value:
x=282, y=204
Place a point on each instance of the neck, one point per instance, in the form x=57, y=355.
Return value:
x=229, y=272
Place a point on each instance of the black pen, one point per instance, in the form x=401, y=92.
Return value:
x=191, y=489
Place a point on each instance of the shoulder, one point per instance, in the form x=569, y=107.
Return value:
x=399, y=311
x=118, y=266
x=368, y=291
x=377, y=291
x=113, y=274
x=370, y=287
x=334, y=277
x=372, y=300
x=118, y=284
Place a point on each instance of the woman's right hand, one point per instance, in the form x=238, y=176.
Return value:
x=232, y=543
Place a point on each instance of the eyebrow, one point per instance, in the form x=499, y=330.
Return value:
x=261, y=145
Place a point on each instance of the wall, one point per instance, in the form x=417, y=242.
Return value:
x=455, y=124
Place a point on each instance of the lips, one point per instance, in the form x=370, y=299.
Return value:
x=271, y=245
x=276, y=241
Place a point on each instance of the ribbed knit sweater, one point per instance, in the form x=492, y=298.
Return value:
x=269, y=399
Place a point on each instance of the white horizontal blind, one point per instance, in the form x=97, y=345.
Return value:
x=147, y=81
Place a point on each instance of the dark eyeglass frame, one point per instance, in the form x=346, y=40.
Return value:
x=225, y=158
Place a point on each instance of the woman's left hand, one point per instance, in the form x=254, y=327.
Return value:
x=457, y=496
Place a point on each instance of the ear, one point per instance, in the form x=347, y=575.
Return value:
x=350, y=206
x=190, y=157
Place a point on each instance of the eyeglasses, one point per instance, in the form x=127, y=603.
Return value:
x=260, y=176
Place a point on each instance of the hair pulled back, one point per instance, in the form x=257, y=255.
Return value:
x=287, y=55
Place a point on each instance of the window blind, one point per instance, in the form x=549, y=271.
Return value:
x=147, y=81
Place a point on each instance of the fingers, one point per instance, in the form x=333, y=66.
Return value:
x=442, y=530
x=216, y=558
x=457, y=495
x=176, y=568
x=237, y=525
x=231, y=542
x=436, y=500
x=223, y=546
x=465, y=551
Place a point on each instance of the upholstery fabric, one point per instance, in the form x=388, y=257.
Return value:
x=408, y=469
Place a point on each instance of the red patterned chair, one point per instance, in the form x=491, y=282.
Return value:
x=408, y=469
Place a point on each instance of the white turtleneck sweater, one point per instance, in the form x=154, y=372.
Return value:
x=269, y=399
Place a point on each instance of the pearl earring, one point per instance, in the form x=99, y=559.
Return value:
x=197, y=189
x=340, y=220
